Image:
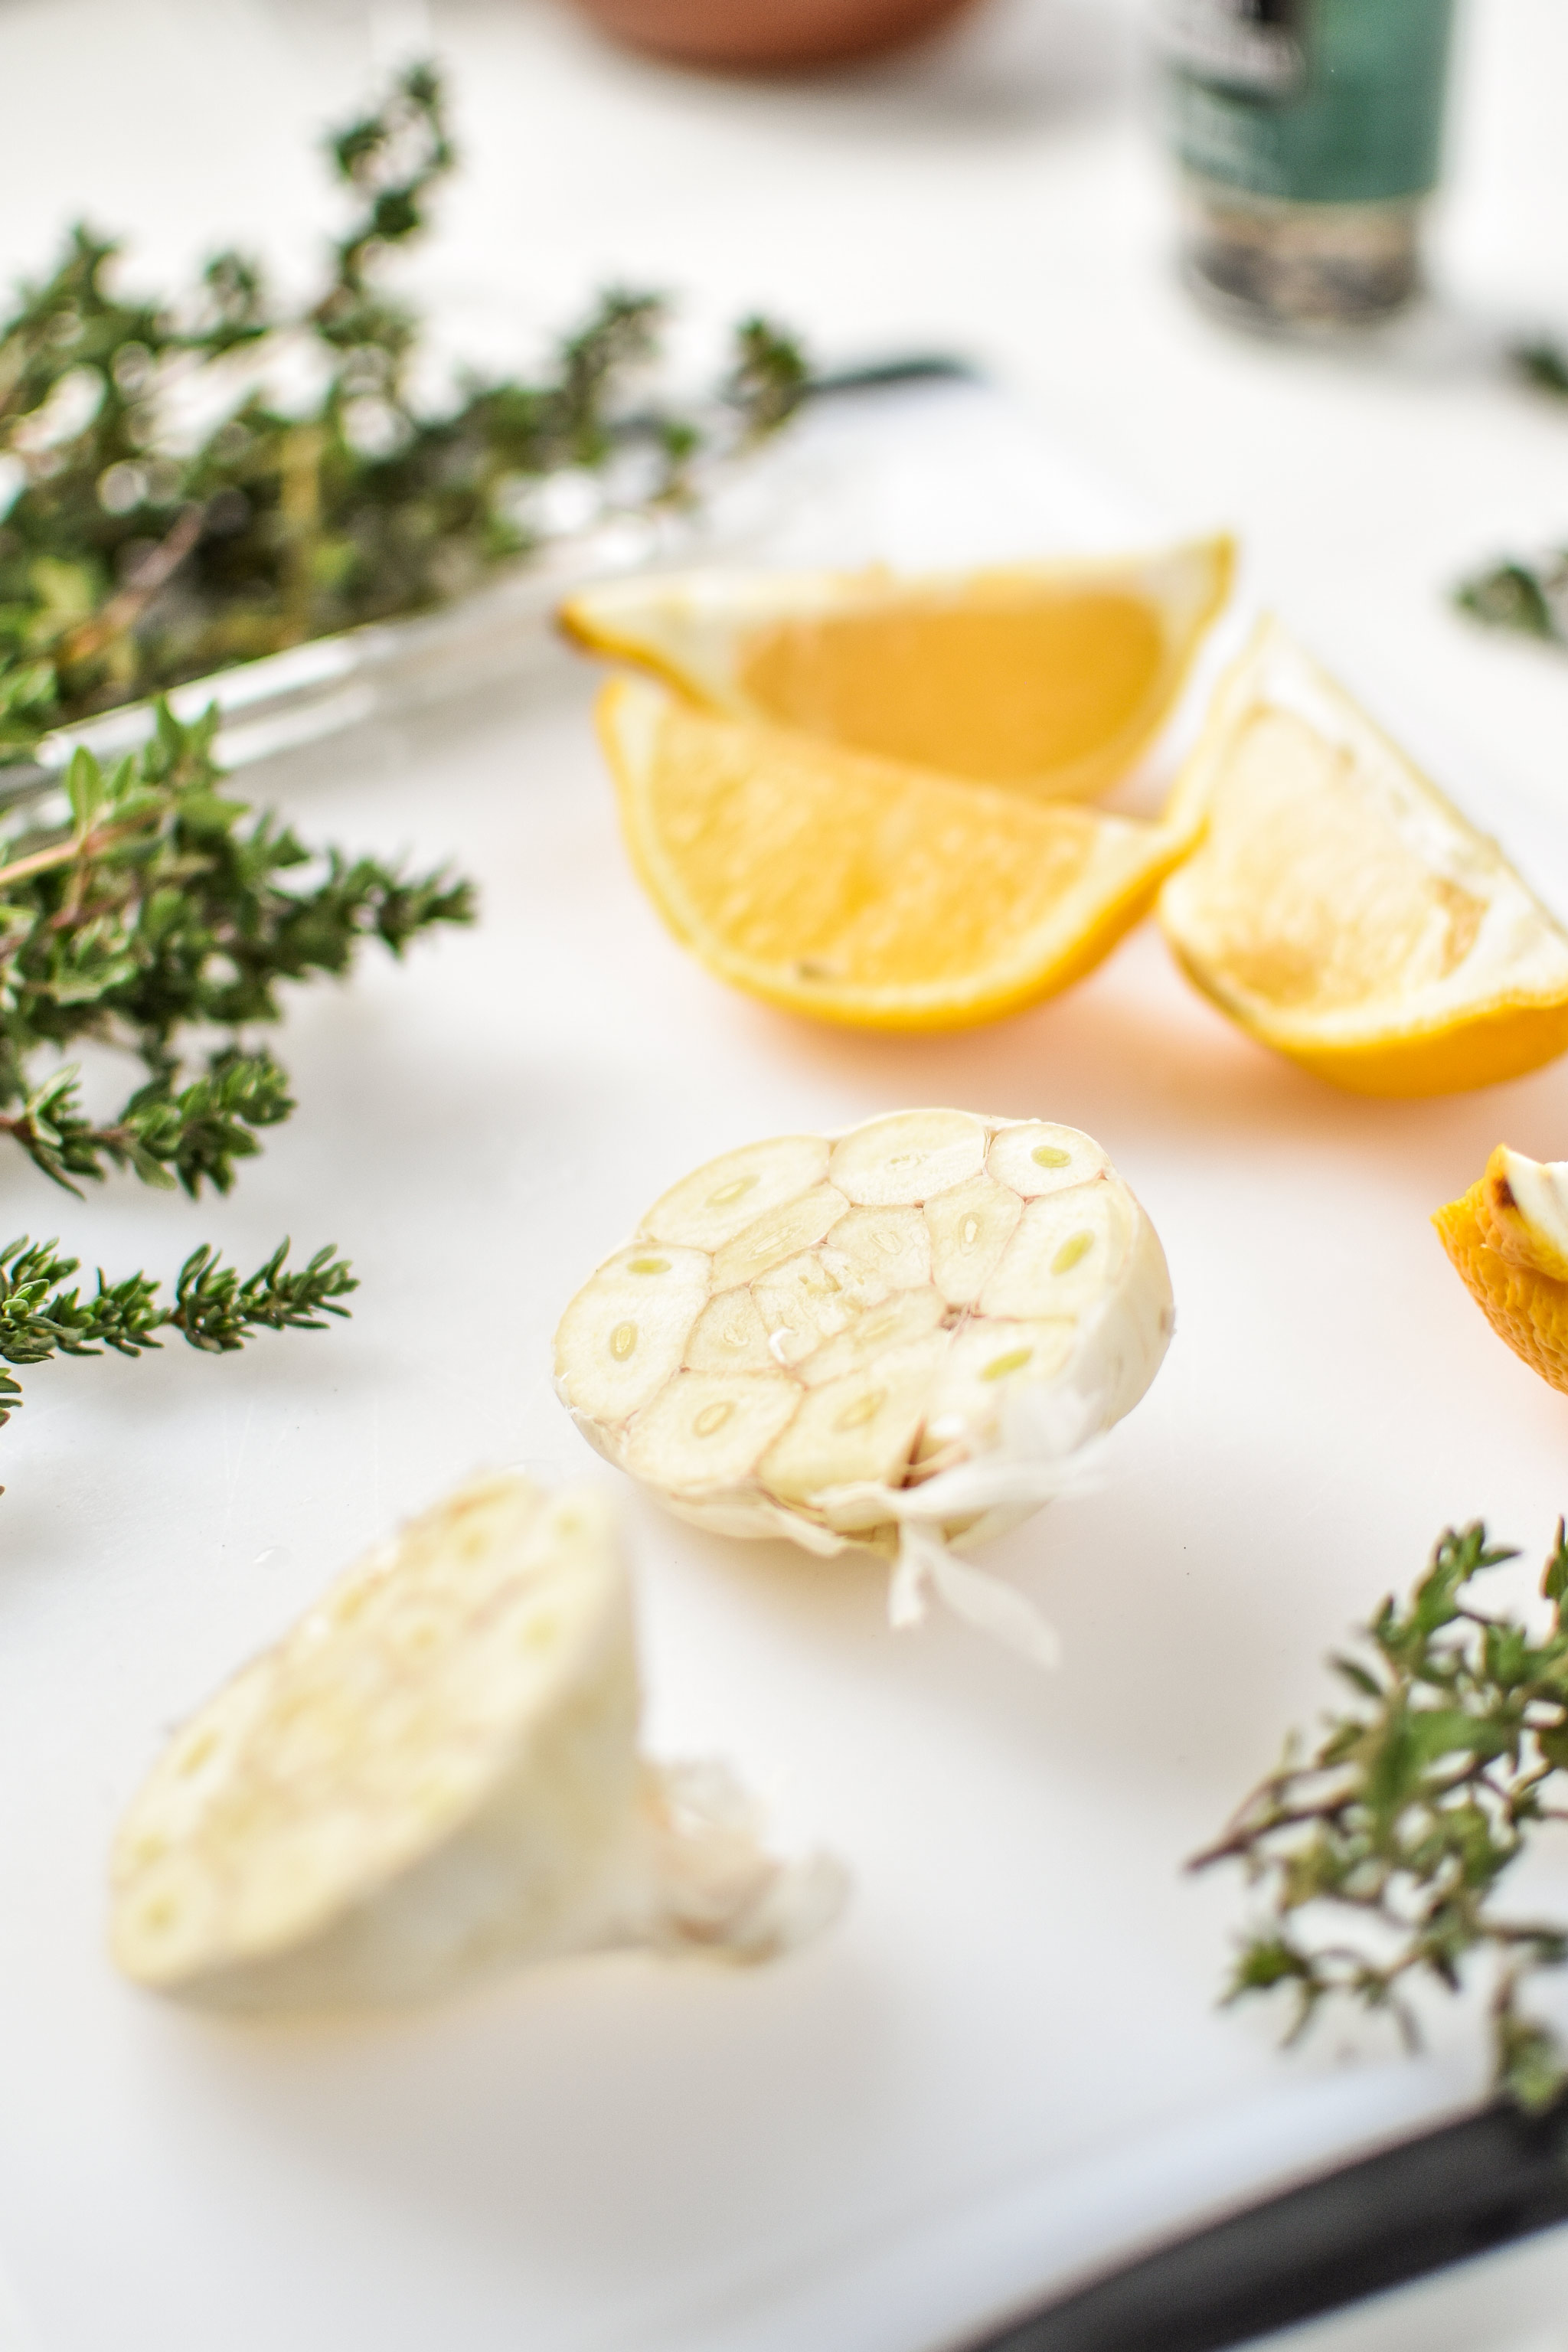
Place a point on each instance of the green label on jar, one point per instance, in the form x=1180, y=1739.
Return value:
x=1314, y=101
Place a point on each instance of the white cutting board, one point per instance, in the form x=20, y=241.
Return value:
x=1005, y=2063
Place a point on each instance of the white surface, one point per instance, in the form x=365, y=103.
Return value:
x=15, y=2333
x=1007, y=2061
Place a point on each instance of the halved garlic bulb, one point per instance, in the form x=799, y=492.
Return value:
x=435, y=1775
x=904, y=1335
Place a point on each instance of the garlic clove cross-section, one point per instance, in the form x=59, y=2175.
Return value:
x=435, y=1776
x=913, y=1343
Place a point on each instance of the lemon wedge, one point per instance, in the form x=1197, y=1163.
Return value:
x=901, y=1337
x=1508, y=1237
x=435, y=1774
x=1049, y=679
x=1340, y=910
x=859, y=890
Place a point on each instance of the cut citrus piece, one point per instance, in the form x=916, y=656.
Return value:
x=436, y=1774
x=982, y=1297
x=1508, y=1236
x=1340, y=910
x=1049, y=679
x=860, y=891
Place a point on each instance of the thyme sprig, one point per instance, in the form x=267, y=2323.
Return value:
x=139, y=551
x=169, y=505
x=156, y=906
x=1528, y=596
x=1543, y=363
x=211, y=1308
x=1381, y=1851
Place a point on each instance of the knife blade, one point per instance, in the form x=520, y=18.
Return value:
x=1436, y=2198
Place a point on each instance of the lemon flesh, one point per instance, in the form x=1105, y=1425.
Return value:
x=435, y=1775
x=926, y=1315
x=1340, y=910
x=1507, y=1238
x=860, y=891
x=1046, y=679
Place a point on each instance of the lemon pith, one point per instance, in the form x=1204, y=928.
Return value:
x=1513, y=1265
x=860, y=891
x=1340, y=910
x=1046, y=679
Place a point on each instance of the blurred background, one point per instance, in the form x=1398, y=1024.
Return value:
x=999, y=190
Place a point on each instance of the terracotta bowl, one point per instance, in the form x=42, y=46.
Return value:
x=769, y=36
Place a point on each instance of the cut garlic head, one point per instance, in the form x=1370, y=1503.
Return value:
x=914, y=1325
x=435, y=1774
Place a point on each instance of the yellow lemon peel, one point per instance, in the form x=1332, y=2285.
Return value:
x=1340, y=910
x=1507, y=1238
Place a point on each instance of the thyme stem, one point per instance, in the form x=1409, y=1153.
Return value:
x=131, y=560
x=1410, y=1811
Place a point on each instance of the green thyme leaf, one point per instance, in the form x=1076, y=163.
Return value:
x=1529, y=597
x=1544, y=364
x=131, y=560
x=157, y=915
x=1380, y=1854
x=213, y=1308
x=162, y=907
x=1514, y=595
